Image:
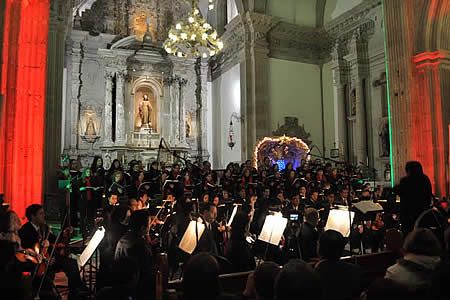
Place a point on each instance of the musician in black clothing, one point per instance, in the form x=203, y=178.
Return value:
x=134, y=245
x=209, y=239
x=37, y=232
x=238, y=250
x=415, y=195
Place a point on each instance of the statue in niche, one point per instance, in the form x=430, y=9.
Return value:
x=188, y=124
x=143, y=118
x=384, y=139
x=90, y=128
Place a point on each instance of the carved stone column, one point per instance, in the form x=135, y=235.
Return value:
x=340, y=80
x=201, y=94
x=120, y=109
x=255, y=81
x=107, y=118
x=358, y=60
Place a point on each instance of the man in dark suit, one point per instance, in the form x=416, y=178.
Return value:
x=208, y=240
x=135, y=245
x=308, y=234
x=415, y=195
x=343, y=280
x=37, y=232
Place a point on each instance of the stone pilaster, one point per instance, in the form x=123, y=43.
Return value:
x=202, y=107
x=54, y=94
x=120, y=109
x=107, y=116
x=340, y=80
x=358, y=61
x=255, y=81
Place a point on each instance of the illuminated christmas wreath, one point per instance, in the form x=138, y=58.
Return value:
x=281, y=151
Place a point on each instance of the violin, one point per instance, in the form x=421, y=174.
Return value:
x=42, y=249
x=28, y=255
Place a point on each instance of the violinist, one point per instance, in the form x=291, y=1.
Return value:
x=134, y=245
x=36, y=234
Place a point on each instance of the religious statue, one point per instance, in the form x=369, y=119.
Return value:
x=384, y=137
x=143, y=119
x=90, y=128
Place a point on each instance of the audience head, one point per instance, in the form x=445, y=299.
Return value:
x=387, y=289
x=264, y=277
x=124, y=272
x=422, y=241
x=201, y=278
x=331, y=245
x=139, y=221
x=35, y=214
x=299, y=279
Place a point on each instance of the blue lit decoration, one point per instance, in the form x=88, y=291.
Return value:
x=281, y=151
x=281, y=164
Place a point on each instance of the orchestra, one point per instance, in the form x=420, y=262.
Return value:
x=232, y=204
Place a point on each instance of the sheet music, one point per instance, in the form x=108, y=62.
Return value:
x=233, y=213
x=339, y=220
x=273, y=229
x=189, y=241
x=91, y=247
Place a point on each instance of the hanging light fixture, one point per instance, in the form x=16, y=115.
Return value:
x=194, y=37
x=231, y=141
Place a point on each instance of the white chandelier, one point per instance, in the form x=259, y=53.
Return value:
x=195, y=37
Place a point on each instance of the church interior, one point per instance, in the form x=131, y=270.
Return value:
x=106, y=98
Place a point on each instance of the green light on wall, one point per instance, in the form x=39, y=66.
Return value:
x=391, y=157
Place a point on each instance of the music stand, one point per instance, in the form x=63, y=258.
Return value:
x=191, y=236
x=272, y=230
x=339, y=220
x=87, y=255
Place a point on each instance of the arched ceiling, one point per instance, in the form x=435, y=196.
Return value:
x=335, y=8
x=309, y=12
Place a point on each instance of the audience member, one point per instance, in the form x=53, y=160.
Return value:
x=387, y=289
x=125, y=276
x=422, y=256
x=201, y=278
x=343, y=280
x=298, y=280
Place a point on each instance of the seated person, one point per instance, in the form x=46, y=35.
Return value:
x=308, y=234
x=297, y=280
x=37, y=233
x=422, y=256
x=201, y=278
x=387, y=289
x=343, y=280
x=124, y=279
x=260, y=282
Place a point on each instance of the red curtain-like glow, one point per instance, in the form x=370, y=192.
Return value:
x=23, y=87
